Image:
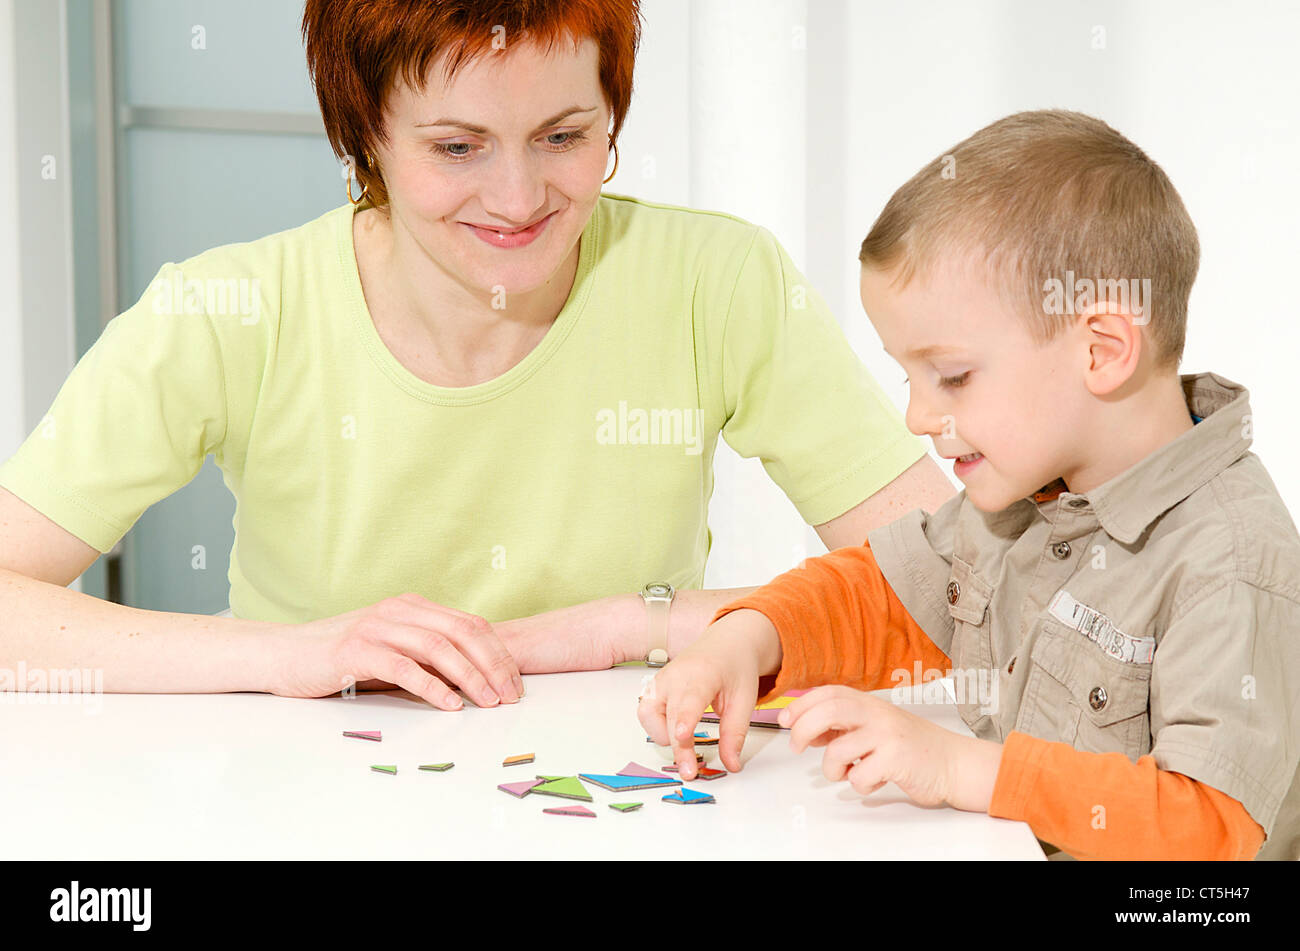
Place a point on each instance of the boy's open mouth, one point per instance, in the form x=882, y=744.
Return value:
x=969, y=458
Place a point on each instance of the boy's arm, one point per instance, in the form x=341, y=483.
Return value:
x=840, y=622
x=1104, y=806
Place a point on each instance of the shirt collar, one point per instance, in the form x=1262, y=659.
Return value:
x=1131, y=501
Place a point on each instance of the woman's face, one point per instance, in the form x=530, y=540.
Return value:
x=518, y=139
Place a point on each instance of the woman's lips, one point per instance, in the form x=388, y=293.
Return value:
x=516, y=239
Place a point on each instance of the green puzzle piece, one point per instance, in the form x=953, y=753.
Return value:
x=566, y=787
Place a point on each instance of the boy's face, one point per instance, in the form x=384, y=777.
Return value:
x=991, y=390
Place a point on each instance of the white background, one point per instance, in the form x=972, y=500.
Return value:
x=805, y=115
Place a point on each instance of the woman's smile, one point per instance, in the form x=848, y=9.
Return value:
x=507, y=240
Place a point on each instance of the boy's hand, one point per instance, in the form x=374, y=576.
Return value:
x=869, y=741
x=721, y=668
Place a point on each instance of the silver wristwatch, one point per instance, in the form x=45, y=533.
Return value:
x=658, y=598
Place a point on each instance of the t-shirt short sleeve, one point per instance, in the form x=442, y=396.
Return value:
x=132, y=423
x=798, y=397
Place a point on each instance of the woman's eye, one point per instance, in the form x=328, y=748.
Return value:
x=452, y=150
x=447, y=149
x=573, y=138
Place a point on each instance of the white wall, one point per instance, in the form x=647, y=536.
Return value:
x=12, y=429
x=731, y=112
x=36, y=316
x=1208, y=89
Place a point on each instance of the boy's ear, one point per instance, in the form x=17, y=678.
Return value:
x=1114, y=342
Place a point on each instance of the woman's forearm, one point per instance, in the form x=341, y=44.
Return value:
x=49, y=632
x=597, y=634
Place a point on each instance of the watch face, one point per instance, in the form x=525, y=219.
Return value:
x=658, y=590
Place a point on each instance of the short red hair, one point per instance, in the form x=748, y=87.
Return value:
x=355, y=49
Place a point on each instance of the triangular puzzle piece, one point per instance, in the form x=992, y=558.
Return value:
x=706, y=772
x=385, y=769
x=365, y=734
x=571, y=811
x=567, y=788
x=519, y=790
x=688, y=796
x=438, y=767
x=620, y=783
x=636, y=769
x=625, y=806
x=517, y=759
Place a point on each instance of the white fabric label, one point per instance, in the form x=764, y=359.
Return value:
x=1098, y=628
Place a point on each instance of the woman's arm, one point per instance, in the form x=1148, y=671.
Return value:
x=923, y=485
x=598, y=634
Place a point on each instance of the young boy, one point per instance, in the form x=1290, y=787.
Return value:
x=1116, y=591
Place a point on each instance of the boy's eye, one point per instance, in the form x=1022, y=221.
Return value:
x=950, y=381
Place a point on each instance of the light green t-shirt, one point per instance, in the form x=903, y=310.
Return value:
x=583, y=471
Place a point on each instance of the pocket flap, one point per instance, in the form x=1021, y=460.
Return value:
x=967, y=595
x=1083, y=668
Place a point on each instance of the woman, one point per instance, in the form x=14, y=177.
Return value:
x=480, y=390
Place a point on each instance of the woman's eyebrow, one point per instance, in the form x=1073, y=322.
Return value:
x=479, y=130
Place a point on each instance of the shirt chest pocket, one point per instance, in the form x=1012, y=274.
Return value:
x=968, y=598
x=1078, y=694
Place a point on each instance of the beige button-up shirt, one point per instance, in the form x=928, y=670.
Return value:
x=1158, y=613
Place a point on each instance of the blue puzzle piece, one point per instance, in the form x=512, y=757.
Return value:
x=629, y=782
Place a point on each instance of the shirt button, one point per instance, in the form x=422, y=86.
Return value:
x=1061, y=550
x=1011, y=667
x=954, y=592
x=1097, y=698
x=1077, y=503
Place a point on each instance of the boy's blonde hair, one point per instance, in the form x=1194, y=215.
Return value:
x=1044, y=195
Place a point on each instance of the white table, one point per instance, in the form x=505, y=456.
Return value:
x=252, y=776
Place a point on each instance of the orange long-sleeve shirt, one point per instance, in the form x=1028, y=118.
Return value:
x=840, y=622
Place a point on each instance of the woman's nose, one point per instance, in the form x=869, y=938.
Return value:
x=515, y=191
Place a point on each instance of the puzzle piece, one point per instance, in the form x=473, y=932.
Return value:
x=636, y=769
x=518, y=759
x=567, y=787
x=365, y=734
x=625, y=806
x=571, y=811
x=688, y=797
x=622, y=783
x=438, y=767
x=520, y=790
x=760, y=717
x=391, y=770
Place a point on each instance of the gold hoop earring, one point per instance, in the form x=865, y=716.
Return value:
x=614, y=145
x=364, y=189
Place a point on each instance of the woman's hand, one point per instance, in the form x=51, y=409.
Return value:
x=405, y=641
x=721, y=668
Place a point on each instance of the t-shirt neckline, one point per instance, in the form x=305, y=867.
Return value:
x=359, y=316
